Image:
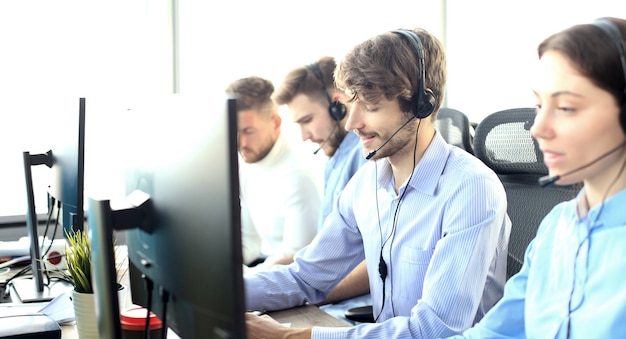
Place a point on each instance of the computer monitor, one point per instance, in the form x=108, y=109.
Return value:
x=182, y=213
x=66, y=159
x=67, y=183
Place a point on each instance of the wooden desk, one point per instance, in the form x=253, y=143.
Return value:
x=303, y=316
x=307, y=316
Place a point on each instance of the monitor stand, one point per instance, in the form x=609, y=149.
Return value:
x=23, y=290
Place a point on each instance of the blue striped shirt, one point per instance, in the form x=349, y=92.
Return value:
x=338, y=170
x=446, y=257
x=536, y=302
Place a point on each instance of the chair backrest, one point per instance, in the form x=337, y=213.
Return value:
x=504, y=143
x=455, y=128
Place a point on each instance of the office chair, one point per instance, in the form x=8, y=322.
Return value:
x=455, y=128
x=504, y=143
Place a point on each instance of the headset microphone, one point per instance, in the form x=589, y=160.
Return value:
x=321, y=145
x=373, y=153
x=326, y=140
x=549, y=180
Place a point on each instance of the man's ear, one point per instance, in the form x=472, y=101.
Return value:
x=338, y=96
x=277, y=121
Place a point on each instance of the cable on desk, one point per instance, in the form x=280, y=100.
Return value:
x=165, y=296
x=18, y=274
x=54, y=231
x=149, y=288
x=14, y=261
x=6, y=291
x=4, y=286
x=44, y=251
x=56, y=226
x=48, y=222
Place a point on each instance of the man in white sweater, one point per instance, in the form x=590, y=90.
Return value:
x=280, y=197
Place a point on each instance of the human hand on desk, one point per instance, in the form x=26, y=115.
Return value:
x=265, y=327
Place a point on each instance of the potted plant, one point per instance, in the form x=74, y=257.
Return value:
x=79, y=262
x=79, y=265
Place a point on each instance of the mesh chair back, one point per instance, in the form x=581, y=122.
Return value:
x=504, y=143
x=454, y=126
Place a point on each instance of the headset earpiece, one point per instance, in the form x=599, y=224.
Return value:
x=427, y=105
x=423, y=101
x=336, y=109
x=613, y=32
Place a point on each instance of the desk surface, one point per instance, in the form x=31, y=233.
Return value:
x=307, y=316
x=303, y=316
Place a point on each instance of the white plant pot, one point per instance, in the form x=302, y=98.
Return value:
x=85, y=315
x=85, y=312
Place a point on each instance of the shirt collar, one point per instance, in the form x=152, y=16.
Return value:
x=345, y=148
x=611, y=210
x=427, y=171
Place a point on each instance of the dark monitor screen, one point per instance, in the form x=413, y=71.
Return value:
x=182, y=156
x=68, y=169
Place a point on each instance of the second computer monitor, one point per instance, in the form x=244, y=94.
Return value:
x=185, y=254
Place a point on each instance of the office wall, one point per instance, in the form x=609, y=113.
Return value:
x=113, y=51
x=54, y=52
x=492, y=47
x=220, y=42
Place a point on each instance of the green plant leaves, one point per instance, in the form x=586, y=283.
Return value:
x=79, y=261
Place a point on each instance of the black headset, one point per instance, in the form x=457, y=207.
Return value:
x=336, y=109
x=422, y=102
x=613, y=32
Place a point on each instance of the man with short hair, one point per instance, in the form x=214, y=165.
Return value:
x=280, y=199
x=321, y=112
x=320, y=109
x=428, y=218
